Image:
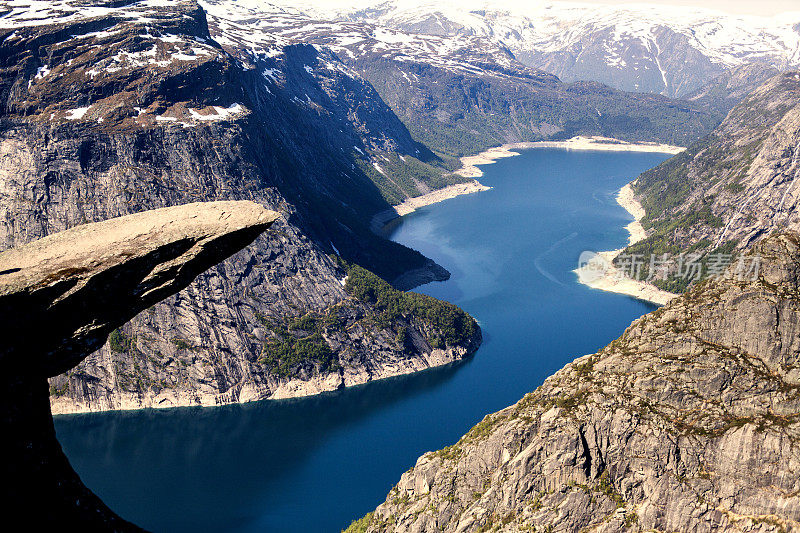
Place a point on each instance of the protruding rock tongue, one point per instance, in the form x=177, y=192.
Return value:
x=60, y=297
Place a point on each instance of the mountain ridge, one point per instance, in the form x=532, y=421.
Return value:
x=729, y=189
x=670, y=50
x=461, y=94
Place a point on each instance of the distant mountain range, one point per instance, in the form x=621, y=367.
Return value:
x=647, y=48
x=459, y=93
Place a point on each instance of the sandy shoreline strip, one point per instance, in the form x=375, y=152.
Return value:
x=614, y=281
x=469, y=168
x=412, y=204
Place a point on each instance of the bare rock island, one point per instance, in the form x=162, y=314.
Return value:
x=690, y=421
x=60, y=297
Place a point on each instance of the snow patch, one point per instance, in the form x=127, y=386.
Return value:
x=271, y=74
x=221, y=112
x=77, y=113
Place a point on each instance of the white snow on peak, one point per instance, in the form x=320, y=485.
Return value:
x=549, y=26
x=264, y=29
x=23, y=13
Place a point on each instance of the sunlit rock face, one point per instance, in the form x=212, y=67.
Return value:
x=690, y=421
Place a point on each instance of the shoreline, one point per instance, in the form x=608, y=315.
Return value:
x=469, y=168
x=611, y=279
x=379, y=220
x=292, y=389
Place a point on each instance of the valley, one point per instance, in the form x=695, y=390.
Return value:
x=510, y=252
x=352, y=229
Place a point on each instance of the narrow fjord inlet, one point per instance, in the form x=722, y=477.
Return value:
x=404, y=266
x=314, y=464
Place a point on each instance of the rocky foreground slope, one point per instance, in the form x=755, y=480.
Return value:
x=690, y=421
x=60, y=297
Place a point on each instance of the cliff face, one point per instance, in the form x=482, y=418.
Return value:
x=732, y=187
x=72, y=280
x=60, y=296
x=116, y=109
x=688, y=422
x=742, y=174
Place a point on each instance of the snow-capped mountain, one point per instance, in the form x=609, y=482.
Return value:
x=640, y=47
x=457, y=93
x=262, y=27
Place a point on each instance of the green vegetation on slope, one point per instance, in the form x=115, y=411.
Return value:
x=688, y=198
x=301, y=342
x=667, y=186
x=460, y=115
x=360, y=525
x=455, y=326
x=404, y=176
x=119, y=342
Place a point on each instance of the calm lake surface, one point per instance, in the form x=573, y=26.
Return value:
x=313, y=465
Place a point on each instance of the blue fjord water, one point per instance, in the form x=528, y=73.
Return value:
x=313, y=464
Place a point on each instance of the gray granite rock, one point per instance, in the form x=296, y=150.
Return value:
x=690, y=421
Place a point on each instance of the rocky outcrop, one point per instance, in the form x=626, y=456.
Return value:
x=133, y=105
x=79, y=282
x=690, y=421
x=60, y=297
